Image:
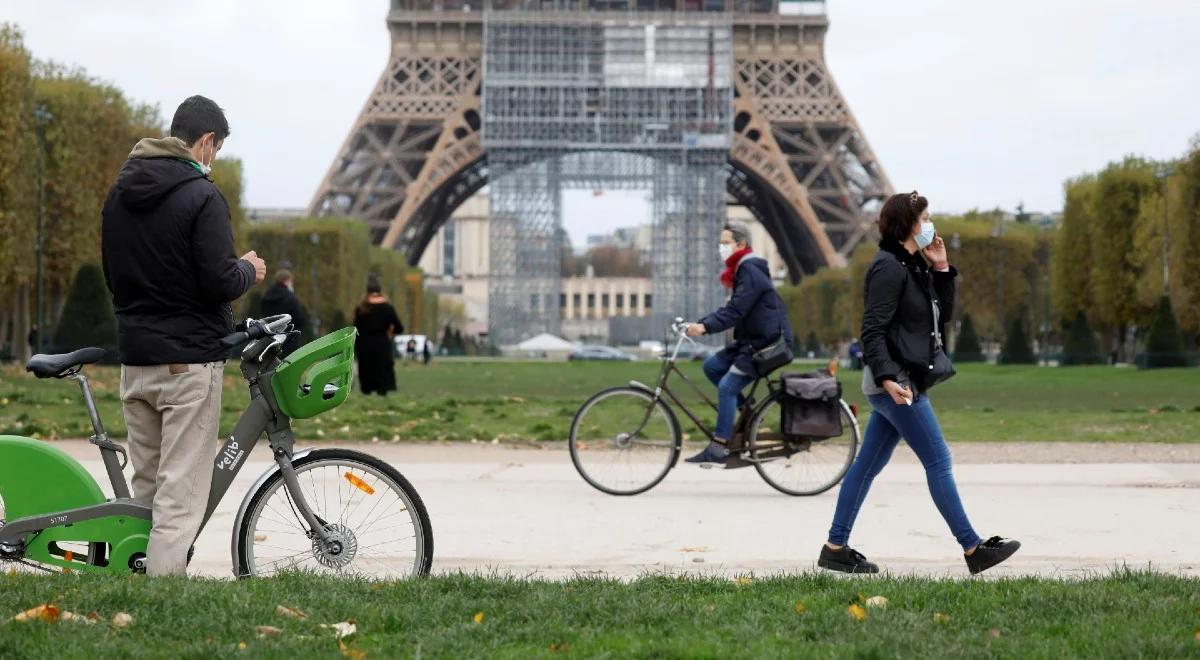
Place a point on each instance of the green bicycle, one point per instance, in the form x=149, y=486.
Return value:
x=325, y=510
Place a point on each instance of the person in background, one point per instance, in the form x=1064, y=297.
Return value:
x=377, y=323
x=411, y=349
x=909, y=297
x=757, y=316
x=855, y=355
x=281, y=299
x=426, y=353
x=33, y=339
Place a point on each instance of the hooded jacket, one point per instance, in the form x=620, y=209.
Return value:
x=755, y=311
x=167, y=249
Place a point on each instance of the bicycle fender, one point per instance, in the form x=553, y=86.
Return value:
x=38, y=478
x=245, y=505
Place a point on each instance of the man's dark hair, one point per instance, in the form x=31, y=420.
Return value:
x=282, y=276
x=900, y=214
x=196, y=116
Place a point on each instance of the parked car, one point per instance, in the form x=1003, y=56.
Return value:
x=600, y=353
x=694, y=352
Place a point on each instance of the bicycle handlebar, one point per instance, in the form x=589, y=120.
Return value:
x=257, y=329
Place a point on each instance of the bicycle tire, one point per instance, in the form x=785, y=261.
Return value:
x=668, y=414
x=855, y=438
x=245, y=533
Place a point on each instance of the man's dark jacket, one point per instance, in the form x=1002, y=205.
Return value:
x=897, y=329
x=167, y=247
x=754, y=311
x=280, y=300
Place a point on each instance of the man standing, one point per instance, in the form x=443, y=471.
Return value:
x=281, y=299
x=167, y=246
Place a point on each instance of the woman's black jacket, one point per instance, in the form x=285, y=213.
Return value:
x=898, y=319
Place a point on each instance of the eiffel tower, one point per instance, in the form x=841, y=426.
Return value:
x=793, y=153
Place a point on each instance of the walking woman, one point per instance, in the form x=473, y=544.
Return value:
x=909, y=298
x=377, y=323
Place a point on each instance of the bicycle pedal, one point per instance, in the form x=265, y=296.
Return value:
x=734, y=462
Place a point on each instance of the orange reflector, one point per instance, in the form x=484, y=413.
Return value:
x=854, y=410
x=69, y=556
x=360, y=484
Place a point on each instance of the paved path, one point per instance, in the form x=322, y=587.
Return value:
x=527, y=512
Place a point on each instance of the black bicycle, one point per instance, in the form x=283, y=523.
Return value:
x=624, y=440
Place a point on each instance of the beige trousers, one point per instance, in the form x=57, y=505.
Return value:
x=172, y=412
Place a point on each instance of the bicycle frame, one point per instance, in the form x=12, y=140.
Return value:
x=669, y=367
x=262, y=415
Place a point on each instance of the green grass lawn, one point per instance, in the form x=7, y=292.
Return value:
x=534, y=401
x=1125, y=615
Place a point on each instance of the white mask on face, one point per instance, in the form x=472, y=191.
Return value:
x=725, y=250
x=925, y=236
x=206, y=169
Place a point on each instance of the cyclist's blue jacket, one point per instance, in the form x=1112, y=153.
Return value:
x=754, y=311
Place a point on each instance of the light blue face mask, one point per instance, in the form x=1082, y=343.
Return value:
x=925, y=238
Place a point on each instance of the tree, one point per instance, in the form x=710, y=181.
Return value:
x=18, y=189
x=811, y=344
x=1080, y=346
x=227, y=175
x=1017, y=349
x=967, y=348
x=87, y=317
x=1164, y=345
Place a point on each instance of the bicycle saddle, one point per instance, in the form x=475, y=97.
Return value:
x=62, y=364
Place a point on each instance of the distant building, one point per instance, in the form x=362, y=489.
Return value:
x=274, y=214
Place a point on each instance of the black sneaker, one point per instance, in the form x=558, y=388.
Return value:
x=846, y=560
x=712, y=454
x=991, y=552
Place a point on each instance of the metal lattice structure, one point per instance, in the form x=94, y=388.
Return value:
x=650, y=96
x=796, y=158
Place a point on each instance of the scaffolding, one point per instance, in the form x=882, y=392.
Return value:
x=599, y=101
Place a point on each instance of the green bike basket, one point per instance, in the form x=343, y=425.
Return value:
x=300, y=380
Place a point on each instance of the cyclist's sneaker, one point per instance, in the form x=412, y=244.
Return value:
x=713, y=453
x=991, y=552
x=846, y=560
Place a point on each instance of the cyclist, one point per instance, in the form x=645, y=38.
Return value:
x=167, y=246
x=757, y=316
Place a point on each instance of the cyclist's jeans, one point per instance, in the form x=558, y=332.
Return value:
x=172, y=412
x=729, y=391
x=919, y=427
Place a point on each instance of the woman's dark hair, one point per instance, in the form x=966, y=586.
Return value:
x=900, y=214
x=364, y=305
x=196, y=116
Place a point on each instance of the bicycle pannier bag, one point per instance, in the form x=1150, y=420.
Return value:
x=811, y=405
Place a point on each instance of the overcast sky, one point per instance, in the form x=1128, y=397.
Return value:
x=975, y=104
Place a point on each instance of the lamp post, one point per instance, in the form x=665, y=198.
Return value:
x=41, y=117
x=1164, y=174
x=312, y=299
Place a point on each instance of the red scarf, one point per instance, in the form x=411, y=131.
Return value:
x=731, y=267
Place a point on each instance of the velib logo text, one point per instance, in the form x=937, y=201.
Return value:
x=231, y=454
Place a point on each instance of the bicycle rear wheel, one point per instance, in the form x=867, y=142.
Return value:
x=624, y=441
x=370, y=509
x=805, y=466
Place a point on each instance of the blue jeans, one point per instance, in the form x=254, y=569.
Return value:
x=919, y=427
x=729, y=391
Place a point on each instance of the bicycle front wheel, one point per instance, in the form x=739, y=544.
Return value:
x=624, y=441
x=801, y=466
x=379, y=522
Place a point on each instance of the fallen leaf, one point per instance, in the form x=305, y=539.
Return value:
x=342, y=628
x=268, y=631
x=121, y=620
x=938, y=617
x=709, y=608
x=800, y=608
x=857, y=612
x=478, y=617
x=43, y=612
x=559, y=647
x=77, y=618
x=259, y=537
x=351, y=652
x=994, y=633
x=241, y=646
x=877, y=601
x=290, y=612
x=743, y=581
x=698, y=548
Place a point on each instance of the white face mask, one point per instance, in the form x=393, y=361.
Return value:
x=725, y=250
x=925, y=236
x=207, y=169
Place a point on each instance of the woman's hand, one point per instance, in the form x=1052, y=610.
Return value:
x=899, y=393
x=936, y=254
x=695, y=329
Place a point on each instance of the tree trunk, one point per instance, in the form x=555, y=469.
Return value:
x=21, y=323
